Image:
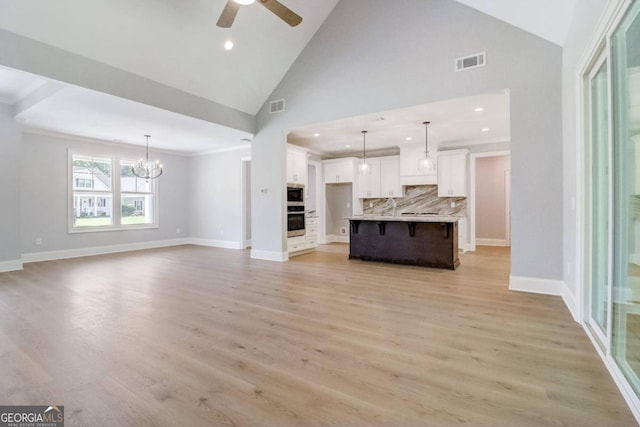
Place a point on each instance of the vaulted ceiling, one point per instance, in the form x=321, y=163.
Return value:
x=176, y=43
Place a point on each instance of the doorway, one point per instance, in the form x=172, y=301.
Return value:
x=490, y=199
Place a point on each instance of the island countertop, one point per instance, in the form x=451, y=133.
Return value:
x=405, y=218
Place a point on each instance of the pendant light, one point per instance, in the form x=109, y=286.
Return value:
x=146, y=169
x=426, y=163
x=364, y=166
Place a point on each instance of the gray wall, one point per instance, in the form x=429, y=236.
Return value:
x=369, y=57
x=216, y=196
x=44, y=208
x=586, y=16
x=338, y=207
x=10, y=141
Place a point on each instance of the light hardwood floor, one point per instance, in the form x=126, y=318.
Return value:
x=194, y=336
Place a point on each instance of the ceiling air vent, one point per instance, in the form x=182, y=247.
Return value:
x=276, y=106
x=473, y=61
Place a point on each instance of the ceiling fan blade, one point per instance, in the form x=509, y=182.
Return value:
x=282, y=12
x=228, y=14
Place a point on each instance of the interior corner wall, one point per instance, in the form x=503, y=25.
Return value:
x=10, y=151
x=368, y=57
x=215, y=183
x=44, y=207
x=586, y=17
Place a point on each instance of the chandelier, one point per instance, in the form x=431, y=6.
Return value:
x=146, y=169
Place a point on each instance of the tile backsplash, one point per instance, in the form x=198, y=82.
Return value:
x=419, y=199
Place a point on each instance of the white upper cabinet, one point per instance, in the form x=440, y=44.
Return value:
x=382, y=178
x=338, y=171
x=410, y=171
x=296, y=167
x=369, y=182
x=390, y=177
x=452, y=173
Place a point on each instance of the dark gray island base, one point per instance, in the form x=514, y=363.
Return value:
x=429, y=242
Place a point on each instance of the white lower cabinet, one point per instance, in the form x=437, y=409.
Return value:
x=311, y=233
x=307, y=242
x=297, y=243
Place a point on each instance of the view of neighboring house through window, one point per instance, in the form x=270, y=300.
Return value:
x=92, y=191
x=101, y=202
x=136, y=196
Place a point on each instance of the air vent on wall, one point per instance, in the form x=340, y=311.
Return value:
x=472, y=61
x=276, y=106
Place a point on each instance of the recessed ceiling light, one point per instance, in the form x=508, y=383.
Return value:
x=408, y=138
x=478, y=110
x=228, y=45
x=347, y=146
x=244, y=2
x=485, y=129
x=316, y=135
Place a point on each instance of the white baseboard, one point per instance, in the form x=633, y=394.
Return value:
x=269, y=255
x=99, y=250
x=570, y=301
x=12, y=265
x=536, y=285
x=226, y=244
x=336, y=238
x=491, y=242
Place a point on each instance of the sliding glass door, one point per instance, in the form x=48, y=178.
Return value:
x=599, y=150
x=626, y=196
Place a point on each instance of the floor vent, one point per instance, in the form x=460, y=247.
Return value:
x=472, y=61
x=276, y=106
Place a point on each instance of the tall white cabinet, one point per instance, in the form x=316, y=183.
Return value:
x=452, y=173
x=296, y=166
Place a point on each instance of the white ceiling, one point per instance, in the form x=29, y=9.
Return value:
x=549, y=19
x=453, y=123
x=16, y=85
x=176, y=42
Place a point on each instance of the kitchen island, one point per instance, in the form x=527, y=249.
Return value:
x=430, y=241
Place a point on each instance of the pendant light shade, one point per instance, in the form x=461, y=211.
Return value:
x=364, y=166
x=426, y=163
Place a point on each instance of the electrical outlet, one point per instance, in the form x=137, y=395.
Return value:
x=343, y=230
x=178, y=230
x=370, y=204
x=348, y=204
x=38, y=240
x=453, y=204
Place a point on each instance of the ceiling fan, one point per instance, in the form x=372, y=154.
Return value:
x=281, y=11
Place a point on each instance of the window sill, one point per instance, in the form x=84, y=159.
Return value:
x=112, y=228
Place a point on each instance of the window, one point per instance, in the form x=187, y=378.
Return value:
x=136, y=197
x=101, y=202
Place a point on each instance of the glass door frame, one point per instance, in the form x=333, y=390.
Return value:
x=603, y=337
x=600, y=44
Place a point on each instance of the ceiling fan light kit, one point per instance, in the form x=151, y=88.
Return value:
x=232, y=7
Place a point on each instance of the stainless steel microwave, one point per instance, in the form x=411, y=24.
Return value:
x=295, y=193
